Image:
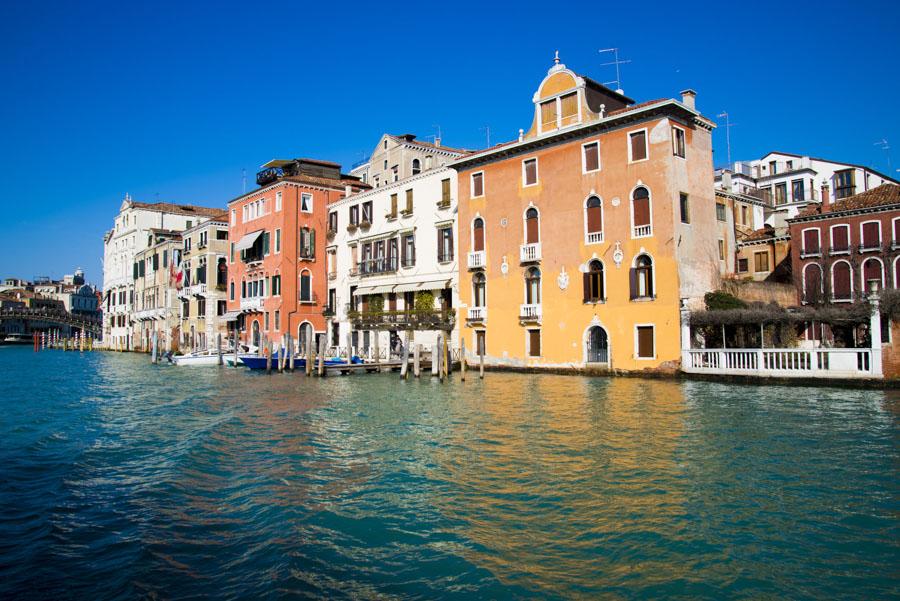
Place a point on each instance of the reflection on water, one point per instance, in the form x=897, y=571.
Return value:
x=120, y=479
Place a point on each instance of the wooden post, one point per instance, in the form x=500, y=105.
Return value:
x=436, y=359
x=269, y=359
x=416, y=356
x=404, y=367
x=462, y=359
x=377, y=358
x=219, y=347
x=309, y=355
x=235, y=345
x=290, y=350
x=322, y=345
x=153, y=348
x=282, y=354
x=349, y=347
x=446, y=362
x=481, y=365
x=81, y=341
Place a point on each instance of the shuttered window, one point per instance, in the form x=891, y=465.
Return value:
x=641, y=207
x=840, y=238
x=638, y=145
x=591, y=156
x=445, y=190
x=409, y=201
x=840, y=280
x=645, y=342
x=534, y=343
x=761, y=261
x=594, y=215
x=896, y=231
x=394, y=208
x=478, y=184
x=871, y=235
x=478, y=234
x=548, y=113
x=871, y=271
x=812, y=283
x=529, y=172
x=811, y=242
x=531, y=226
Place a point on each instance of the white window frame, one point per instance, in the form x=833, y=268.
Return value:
x=525, y=225
x=306, y=195
x=636, y=347
x=233, y=216
x=653, y=266
x=602, y=220
x=683, y=137
x=862, y=240
x=849, y=239
x=842, y=300
x=472, y=185
x=894, y=272
x=525, y=183
x=472, y=232
x=528, y=354
x=278, y=196
x=299, y=287
x=862, y=273
x=278, y=241
x=821, y=278
x=894, y=243
x=650, y=210
x=803, y=251
x=584, y=169
x=646, y=145
x=557, y=99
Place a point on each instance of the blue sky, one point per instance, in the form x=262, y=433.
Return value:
x=172, y=101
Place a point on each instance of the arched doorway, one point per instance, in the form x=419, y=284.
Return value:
x=304, y=333
x=255, y=333
x=597, y=345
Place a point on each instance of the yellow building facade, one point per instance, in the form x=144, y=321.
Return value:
x=580, y=240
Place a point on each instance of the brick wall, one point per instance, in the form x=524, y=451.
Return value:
x=890, y=354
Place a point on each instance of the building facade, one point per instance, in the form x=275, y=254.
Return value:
x=276, y=263
x=204, y=283
x=156, y=309
x=131, y=233
x=581, y=238
x=392, y=265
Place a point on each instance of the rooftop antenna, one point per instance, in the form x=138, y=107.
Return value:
x=243, y=181
x=616, y=62
x=487, y=130
x=883, y=143
x=728, y=126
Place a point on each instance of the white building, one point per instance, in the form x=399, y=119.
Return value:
x=131, y=234
x=391, y=248
x=787, y=182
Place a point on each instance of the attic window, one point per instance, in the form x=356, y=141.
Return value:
x=562, y=111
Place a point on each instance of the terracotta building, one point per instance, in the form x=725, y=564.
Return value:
x=276, y=264
x=581, y=238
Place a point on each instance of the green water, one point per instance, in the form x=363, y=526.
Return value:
x=119, y=479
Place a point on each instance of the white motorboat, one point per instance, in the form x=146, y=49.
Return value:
x=197, y=359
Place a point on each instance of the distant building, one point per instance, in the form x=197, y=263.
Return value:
x=156, y=308
x=397, y=158
x=203, y=294
x=131, y=234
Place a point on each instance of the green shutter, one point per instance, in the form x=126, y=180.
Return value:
x=265, y=243
x=135, y=269
x=312, y=244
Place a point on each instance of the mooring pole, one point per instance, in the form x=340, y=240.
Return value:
x=309, y=355
x=417, y=354
x=322, y=344
x=480, y=364
x=462, y=359
x=377, y=350
x=404, y=367
x=269, y=358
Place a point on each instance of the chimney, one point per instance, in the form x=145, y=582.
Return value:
x=826, y=202
x=688, y=98
x=437, y=141
x=726, y=180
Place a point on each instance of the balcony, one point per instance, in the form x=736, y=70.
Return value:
x=328, y=311
x=476, y=315
x=444, y=203
x=593, y=238
x=530, y=313
x=198, y=290
x=252, y=304
x=530, y=253
x=378, y=266
x=332, y=232
x=441, y=319
x=642, y=231
x=476, y=259
x=445, y=256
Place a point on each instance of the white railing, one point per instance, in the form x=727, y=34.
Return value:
x=530, y=252
x=252, y=304
x=594, y=238
x=476, y=259
x=529, y=312
x=642, y=231
x=785, y=363
x=198, y=290
x=477, y=314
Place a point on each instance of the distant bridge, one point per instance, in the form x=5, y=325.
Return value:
x=64, y=318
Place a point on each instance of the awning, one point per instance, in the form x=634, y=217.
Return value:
x=248, y=240
x=231, y=315
x=374, y=289
x=406, y=287
x=277, y=163
x=416, y=286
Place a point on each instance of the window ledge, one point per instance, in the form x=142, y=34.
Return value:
x=644, y=299
x=601, y=301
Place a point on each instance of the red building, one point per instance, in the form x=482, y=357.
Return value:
x=842, y=245
x=277, y=274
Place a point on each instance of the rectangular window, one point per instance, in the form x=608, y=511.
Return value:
x=568, y=108
x=354, y=215
x=332, y=221
x=186, y=309
x=445, y=244
x=811, y=242
x=267, y=321
x=721, y=250
x=233, y=216
x=277, y=320
x=306, y=203
x=720, y=211
x=637, y=142
x=797, y=190
x=278, y=201
x=871, y=235
x=394, y=209
x=408, y=251
x=221, y=308
x=590, y=157
x=445, y=191
x=773, y=167
x=761, y=262
x=780, y=193
x=478, y=184
x=744, y=219
x=277, y=241
x=743, y=265
x=201, y=307
x=645, y=342
x=678, y=142
x=409, y=202
x=548, y=114
x=840, y=238
x=265, y=240
x=685, y=208
x=529, y=172
x=276, y=285
x=534, y=343
x=844, y=183
x=367, y=211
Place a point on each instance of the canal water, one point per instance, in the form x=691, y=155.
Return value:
x=122, y=480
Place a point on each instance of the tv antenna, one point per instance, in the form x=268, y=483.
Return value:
x=243, y=181
x=487, y=130
x=883, y=143
x=616, y=62
x=728, y=126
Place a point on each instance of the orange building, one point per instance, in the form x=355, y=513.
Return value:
x=581, y=239
x=276, y=265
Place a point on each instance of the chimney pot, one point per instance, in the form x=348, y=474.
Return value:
x=826, y=201
x=689, y=99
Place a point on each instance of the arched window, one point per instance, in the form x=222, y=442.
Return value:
x=255, y=331
x=593, y=282
x=231, y=293
x=478, y=234
x=812, y=283
x=221, y=274
x=642, y=278
x=897, y=272
x=593, y=215
x=304, y=333
x=305, y=286
x=478, y=290
x=841, y=281
x=872, y=270
x=243, y=288
x=533, y=286
x=640, y=213
x=416, y=167
x=532, y=231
